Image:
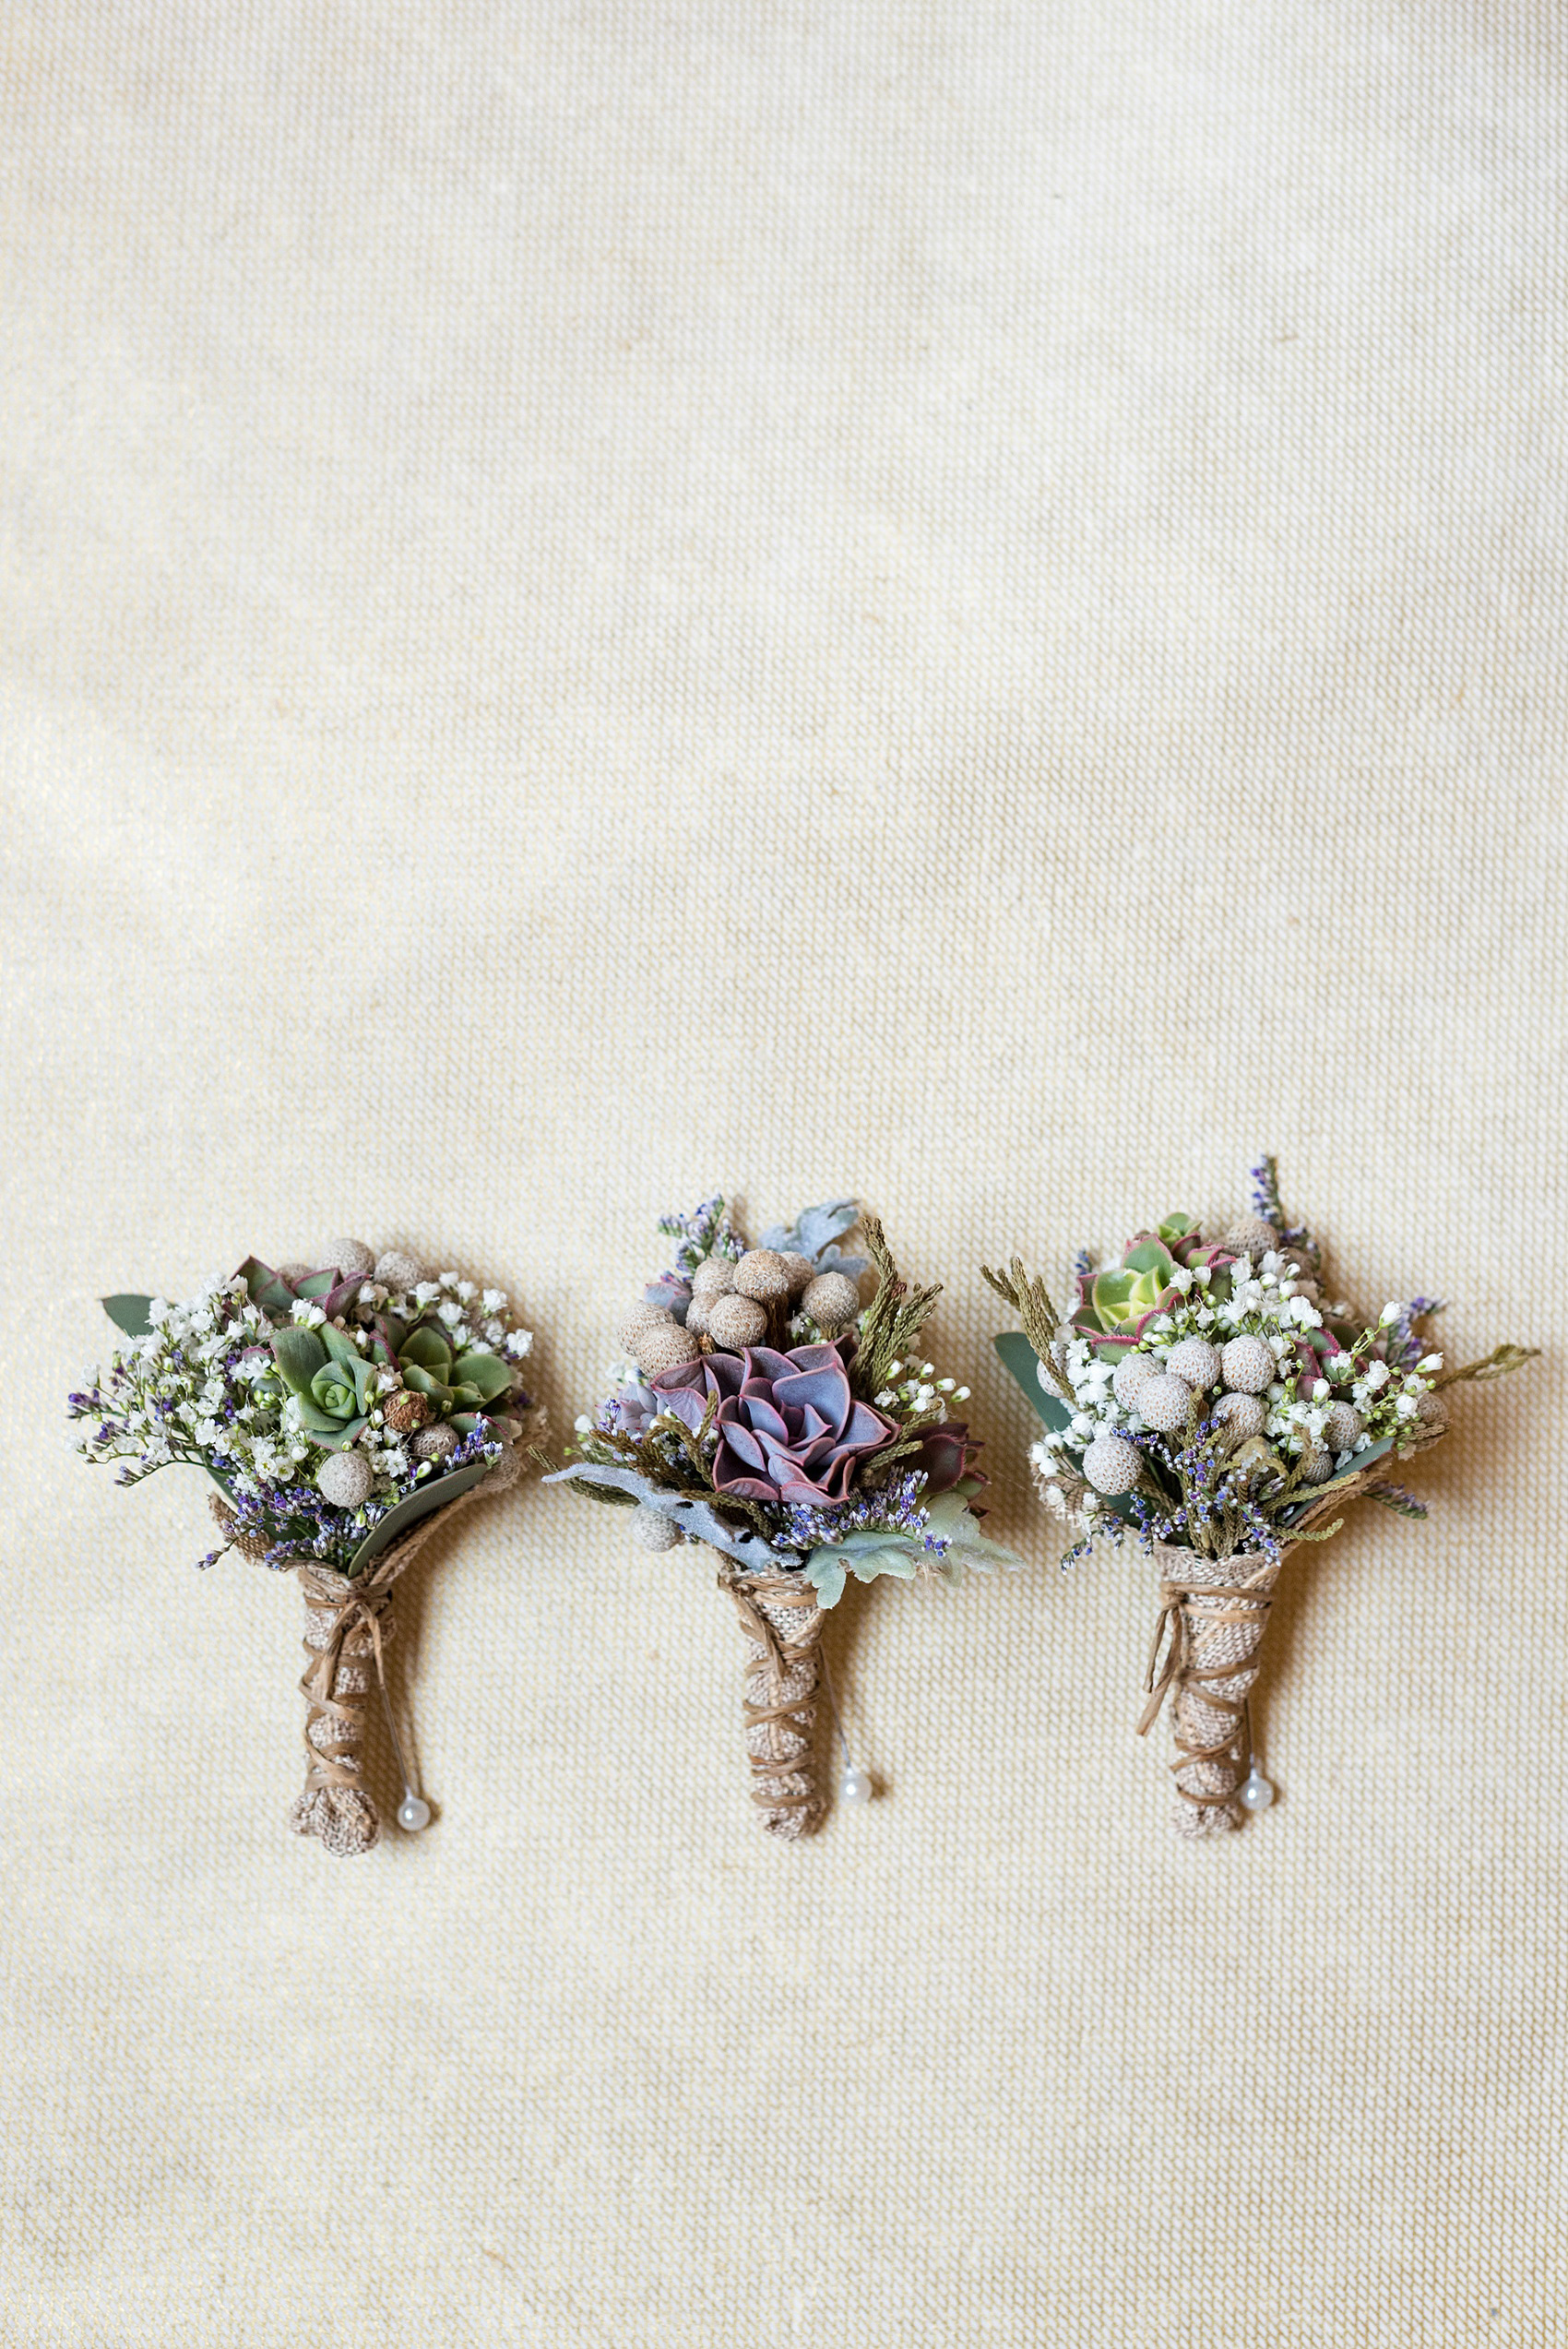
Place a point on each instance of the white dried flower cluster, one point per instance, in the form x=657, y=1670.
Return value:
x=1238, y=1358
x=204, y=1386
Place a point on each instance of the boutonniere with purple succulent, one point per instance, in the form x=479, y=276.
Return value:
x=344, y=1409
x=763, y=1414
x=1212, y=1400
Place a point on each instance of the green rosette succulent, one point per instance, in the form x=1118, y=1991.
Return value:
x=332, y=1383
x=459, y=1387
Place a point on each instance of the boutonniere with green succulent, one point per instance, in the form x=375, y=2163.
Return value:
x=343, y=1410
x=765, y=1412
x=1212, y=1400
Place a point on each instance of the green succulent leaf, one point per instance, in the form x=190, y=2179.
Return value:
x=265, y=1288
x=425, y=1382
x=316, y=1285
x=485, y=1373
x=1176, y=1226
x=299, y=1354
x=337, y=1434
x=341, y=1389
x=429, y=1350
x=341, y=1348
x=129, y=1313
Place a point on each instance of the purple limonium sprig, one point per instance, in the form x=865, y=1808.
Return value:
x=706, y=1232
x=298, y=1521
x=892, y=1507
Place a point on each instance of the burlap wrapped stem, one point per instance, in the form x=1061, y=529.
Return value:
x=1206, y=1662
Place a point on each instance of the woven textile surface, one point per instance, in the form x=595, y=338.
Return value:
x=961, y=602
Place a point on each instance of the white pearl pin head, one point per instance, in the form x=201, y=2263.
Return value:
x=855, y=1786
x=412, y=1812
x=1257, y=1793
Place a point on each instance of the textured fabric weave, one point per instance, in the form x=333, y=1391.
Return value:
x=956, y=601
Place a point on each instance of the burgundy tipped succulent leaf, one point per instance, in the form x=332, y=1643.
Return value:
x=791, y=1429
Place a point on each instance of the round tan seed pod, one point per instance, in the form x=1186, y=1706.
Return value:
x=662, y=1345
x=1195, y=1363
x=1252, y=1235
x=396, y=1268
x=1243, y=1415
x=1432, y=1412
x=736, y=1321
x=714, y=1276
x=638, y=1317
x=1317, y=1467
x=832, y=1300
x=1131, y=1374
x=799, y=1270
x=1164, y=1403
x=353, y=1258
x=696, y=1314
x=762, y=1272
x=1341, y=1427
x=434, y=1443
x=296, y=1272
x=1111, y=1465
x=653, y=1528
x=345, y=1479
x=407, y=1413
x=1247, y=1366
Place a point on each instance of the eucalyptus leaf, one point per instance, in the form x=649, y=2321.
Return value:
x=129, y=1313
x=423, y=1502
x=1024, y=1363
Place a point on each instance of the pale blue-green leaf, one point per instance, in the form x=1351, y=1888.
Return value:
x=693, y=1516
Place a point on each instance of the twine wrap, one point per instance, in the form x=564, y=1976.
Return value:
x=782, y=1624
x=1211, y=1624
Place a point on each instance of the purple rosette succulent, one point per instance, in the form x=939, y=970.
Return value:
x=790, y=1430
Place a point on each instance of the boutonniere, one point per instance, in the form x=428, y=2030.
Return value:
x=767, y=1414
x=344, y=1409
x=1213, y=1400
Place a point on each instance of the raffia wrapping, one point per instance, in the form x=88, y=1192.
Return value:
x=1211, y=1625
x=782, y=1624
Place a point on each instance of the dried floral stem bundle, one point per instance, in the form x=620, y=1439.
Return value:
x=1211, y=1399
x=345, y=1412
x=761, y=1411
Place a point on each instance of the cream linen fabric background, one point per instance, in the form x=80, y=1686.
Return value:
x=959, y=602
